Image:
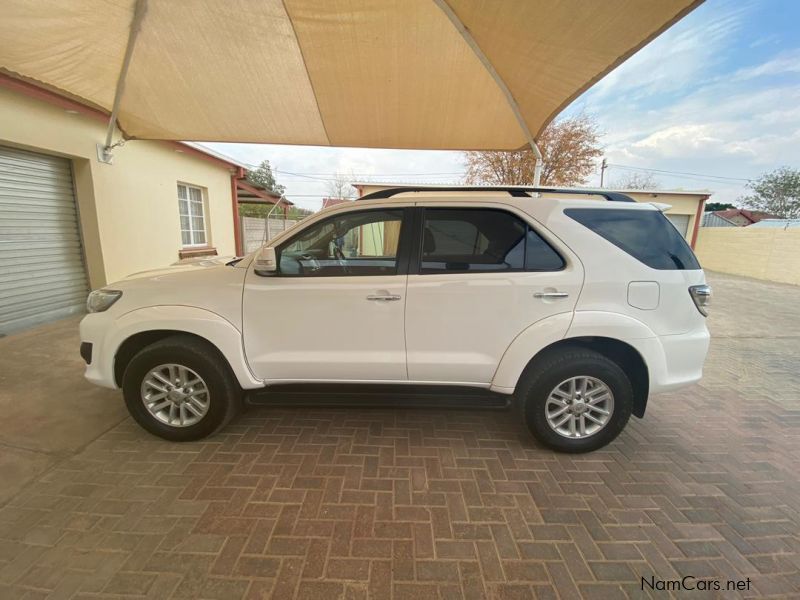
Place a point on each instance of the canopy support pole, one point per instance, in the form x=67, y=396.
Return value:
x=104, y=153
x=461, y=28
x=537, y=167
x=269, y=214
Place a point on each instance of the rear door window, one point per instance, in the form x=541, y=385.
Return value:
x=647, y=235
x=482, y=240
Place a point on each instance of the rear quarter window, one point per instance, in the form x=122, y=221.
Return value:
x=647, y=235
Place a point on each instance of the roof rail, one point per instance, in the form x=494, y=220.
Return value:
x=516, y=191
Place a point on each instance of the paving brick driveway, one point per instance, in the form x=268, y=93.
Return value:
x=329, y=503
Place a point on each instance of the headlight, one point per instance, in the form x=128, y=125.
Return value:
x=100, y=300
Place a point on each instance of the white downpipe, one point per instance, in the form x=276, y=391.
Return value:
x=467, y=36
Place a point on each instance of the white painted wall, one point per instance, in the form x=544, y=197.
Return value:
x=128, y=210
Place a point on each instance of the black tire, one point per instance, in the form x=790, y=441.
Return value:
x=542, y=377
x=224, y=394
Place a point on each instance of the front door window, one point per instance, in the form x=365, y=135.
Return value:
x=354, y=243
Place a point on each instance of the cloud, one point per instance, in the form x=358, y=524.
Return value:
x=705, y=97
x=786, y=62
x=721, y=119
x=685, y=141
x=675, y=60
x=703, y=109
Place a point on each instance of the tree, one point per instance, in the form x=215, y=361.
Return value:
x=715, y=206
x=636, y=181
x=263, y=176
x=340, y=187
x=569, y=148
x=777, y=192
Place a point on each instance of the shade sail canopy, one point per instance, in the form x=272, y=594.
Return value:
x=434, y=74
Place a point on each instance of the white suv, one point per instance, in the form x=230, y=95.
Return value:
x=577, y=308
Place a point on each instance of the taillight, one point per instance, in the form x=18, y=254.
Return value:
x=701, y=294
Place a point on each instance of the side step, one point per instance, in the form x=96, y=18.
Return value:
x=377, y=396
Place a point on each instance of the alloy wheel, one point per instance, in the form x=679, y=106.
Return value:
x=579, y=407
x=175, y=395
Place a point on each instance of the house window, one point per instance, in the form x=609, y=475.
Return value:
x=192, y=212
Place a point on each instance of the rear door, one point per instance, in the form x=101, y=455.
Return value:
x=479, y=277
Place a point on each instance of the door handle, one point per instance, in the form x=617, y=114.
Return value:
x=550, y=295
x=384, y=297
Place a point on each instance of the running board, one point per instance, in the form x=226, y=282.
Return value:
x=377, y=396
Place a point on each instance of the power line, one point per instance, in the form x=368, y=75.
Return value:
x=666, y=172
x=383, y=180
x=313, y=179
x=308, y=173
x=691, y=178
x=336, y=176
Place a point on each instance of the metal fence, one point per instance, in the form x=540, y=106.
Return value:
x=712, y=220
x=254, y=231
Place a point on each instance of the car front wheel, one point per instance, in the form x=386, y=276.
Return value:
x=181, y=389
x=575, y=400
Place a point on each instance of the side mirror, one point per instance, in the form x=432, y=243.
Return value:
x=266, y=263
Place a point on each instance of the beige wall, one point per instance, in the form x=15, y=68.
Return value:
x=128, y=210
x=763, y=253
x=684, y=203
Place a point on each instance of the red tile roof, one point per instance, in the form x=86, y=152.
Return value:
x=754, y=216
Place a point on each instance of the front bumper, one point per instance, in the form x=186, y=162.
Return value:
x=86, y=352
x=100, y=366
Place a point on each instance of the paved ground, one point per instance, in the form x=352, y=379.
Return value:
x=327, y=503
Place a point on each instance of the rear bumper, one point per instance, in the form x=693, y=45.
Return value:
x=675, y=361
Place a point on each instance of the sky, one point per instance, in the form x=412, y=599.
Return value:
x=710, y=104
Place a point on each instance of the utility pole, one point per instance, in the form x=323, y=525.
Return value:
x=603, y=167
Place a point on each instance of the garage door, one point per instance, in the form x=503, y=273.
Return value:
x=681, y=222
x=42, y=277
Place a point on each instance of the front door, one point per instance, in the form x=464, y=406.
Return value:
x=335, y=309
x=481, y=277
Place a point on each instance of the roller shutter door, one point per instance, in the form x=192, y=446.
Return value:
x=42, y=276
x=681, y=223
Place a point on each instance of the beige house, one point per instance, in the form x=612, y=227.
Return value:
x=686, y=207
x=70, y=223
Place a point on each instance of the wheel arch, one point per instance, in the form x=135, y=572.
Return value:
x=136, y=342
x=611, y=334
x=143, y=327
x=626, y=356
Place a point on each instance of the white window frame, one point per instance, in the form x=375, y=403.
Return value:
x=192, y=206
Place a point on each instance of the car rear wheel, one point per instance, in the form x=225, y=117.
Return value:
x=181, y=389
x=575, y=400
